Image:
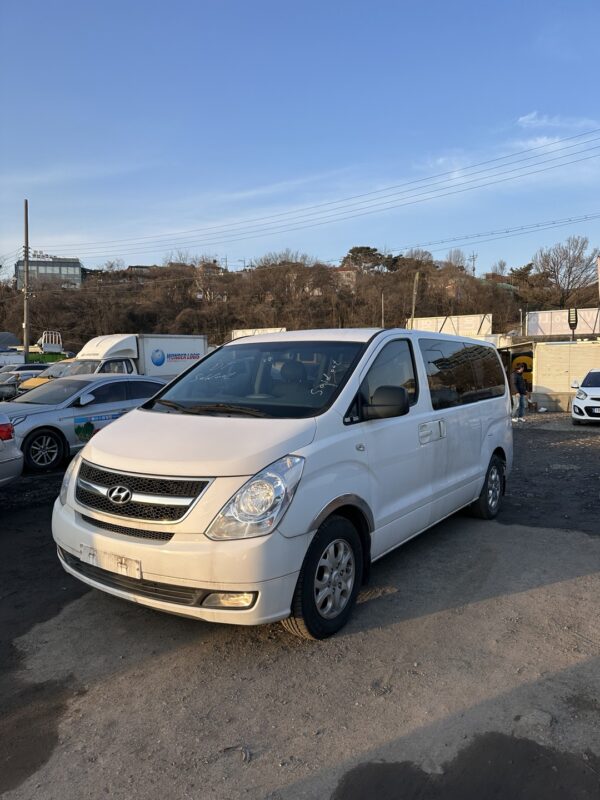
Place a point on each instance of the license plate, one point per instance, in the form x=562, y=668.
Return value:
x=111, y=562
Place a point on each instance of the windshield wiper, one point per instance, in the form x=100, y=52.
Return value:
x=169, y=404
x=212, y=408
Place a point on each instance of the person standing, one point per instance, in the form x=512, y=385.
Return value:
x=518, y=389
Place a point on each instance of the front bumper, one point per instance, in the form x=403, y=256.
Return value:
x=585, y=409
x=267, y=566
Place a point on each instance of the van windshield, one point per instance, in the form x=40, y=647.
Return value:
x=266, y=379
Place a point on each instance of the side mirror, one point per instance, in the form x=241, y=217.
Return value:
x=388, y=401
x=86, y=399
x=575, y=385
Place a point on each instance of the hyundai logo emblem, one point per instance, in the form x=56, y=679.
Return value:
x=119, y=495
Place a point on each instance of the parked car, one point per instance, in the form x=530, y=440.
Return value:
x=280, y=467
x=57, y=419
x=59, y=369
x=586, y=403
x=11, y=458
x=33, y=368
x=12, y=380
x=9, y=385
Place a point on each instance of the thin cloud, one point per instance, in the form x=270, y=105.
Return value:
x=279, y=187
x=536, y=120
x=68, y=173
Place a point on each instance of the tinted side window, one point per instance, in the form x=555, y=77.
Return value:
x=449, y=373
x=142, y=390
x=488, y=372
x=109, y=393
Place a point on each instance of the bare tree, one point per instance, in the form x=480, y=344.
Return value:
x=286, y=256
x=457, y=258
x=499, y=267
x=418, y=254
x=113, y=265
x=568, y=266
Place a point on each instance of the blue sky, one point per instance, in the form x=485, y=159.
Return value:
x=132, y=120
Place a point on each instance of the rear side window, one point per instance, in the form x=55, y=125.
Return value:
x=459, y=373
x=113, y=392
x=142, y=390
x=488, y=371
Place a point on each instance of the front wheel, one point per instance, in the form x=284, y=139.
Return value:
x=487, y=504
x=43, y=449
x=329, y=581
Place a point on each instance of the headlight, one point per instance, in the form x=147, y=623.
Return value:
x=71, y=469
x=581, y=395
x=260, y=504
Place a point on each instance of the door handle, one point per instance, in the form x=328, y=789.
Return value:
x=425, y=433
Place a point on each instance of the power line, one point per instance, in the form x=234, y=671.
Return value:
x=297, y=214
x=415, y=199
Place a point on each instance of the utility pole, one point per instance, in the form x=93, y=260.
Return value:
x=382, y=310
x=414, y=299
x=26, y=286
x=473, y=259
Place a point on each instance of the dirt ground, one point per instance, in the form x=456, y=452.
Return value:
x=469, y=670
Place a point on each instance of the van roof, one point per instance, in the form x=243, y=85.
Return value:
x=318, y=334
x=346, y=335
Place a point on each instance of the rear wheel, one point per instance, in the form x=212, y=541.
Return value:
x=329, y=581
x=487, y=504
x=43, y=449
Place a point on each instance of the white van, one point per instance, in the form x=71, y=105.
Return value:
x=263, y=482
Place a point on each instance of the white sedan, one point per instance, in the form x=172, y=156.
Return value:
x=586, y=403
x=57, y=419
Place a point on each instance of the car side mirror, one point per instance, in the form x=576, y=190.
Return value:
x=575, y=385
x=388, y=401
x=86, y=399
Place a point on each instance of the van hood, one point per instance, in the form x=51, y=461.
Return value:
x=204, y=446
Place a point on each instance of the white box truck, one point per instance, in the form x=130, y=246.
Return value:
x=164, y=355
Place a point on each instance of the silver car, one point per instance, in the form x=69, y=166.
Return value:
x=11, y=458
x=57, y=419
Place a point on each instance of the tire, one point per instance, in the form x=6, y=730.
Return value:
x=337, y=540
x=488, y=503
x=43, y=449
x=575, y=421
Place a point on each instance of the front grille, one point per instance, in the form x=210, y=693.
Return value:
x=593, y=411
x=140, y=483
x=169, y=593
x=150, y=495
x=146, y=511
x=159, y=536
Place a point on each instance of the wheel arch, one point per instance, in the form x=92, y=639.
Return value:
x=357, y=511
x=499, y=451
x=54, y=429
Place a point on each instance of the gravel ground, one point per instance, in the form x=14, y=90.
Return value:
x=470, y=668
